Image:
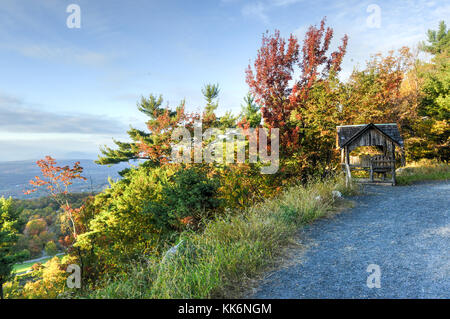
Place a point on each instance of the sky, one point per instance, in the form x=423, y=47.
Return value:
x=67, y=91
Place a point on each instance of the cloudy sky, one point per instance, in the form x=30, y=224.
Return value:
x=66, y=91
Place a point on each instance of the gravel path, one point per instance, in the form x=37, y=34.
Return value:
x=405, y=230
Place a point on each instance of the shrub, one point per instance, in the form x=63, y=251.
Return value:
x=188, y=197
x=423, y=170
x=51, y=282
x=217, y=261
x=51, y=249
x=143, y=213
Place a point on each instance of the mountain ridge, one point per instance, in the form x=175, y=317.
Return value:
x=15, y=176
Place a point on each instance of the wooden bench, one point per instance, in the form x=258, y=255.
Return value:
x=381, y=164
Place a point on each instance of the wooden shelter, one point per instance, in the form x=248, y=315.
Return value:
x=385, y=137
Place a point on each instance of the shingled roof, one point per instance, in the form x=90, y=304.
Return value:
x=347, y=133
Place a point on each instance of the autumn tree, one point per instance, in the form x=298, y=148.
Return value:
x=285, y=100
x=56, y=180
x=269, y=83
x=374, y=93
x=50, y=248
x=152, y=146
x=50, y=281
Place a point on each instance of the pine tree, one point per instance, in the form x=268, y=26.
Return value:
x=439, y=40
x=250, y=111
x=211, y=92
x=153, y=145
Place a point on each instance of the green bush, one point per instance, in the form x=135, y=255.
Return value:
x=51, y=249
x=188, y=197
x=217, y=261
x=143, y=213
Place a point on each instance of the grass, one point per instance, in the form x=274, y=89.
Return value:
x=423, y=170
x=18, y=268
x=218, y=262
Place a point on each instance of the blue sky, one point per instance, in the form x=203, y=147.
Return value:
x=64, y=92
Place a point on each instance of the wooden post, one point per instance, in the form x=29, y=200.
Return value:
x=403, y=159
x=371, y=170
x=393, y=165
x=348, y=175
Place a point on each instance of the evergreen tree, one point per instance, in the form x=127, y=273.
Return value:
x=211, y=93
x=152, y=145
x=435, y=104
x=250, y=111
x=8, y=239
x=439, y=40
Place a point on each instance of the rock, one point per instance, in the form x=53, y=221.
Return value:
x=336, y=194
x=171, y=252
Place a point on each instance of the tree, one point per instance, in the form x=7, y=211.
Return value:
x=439, y=40
x=51, y=249
x=35, y=227
x=285, y=101
x=52, y=281
x=8, y=239
x=374, y=94
x=153, y=146
x=56, y=180
x=211, y=93
x=269, y=82
x=434, y=130
x=250, y=114
x=190, y=195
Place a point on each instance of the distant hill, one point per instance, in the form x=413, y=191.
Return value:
x=15, y=176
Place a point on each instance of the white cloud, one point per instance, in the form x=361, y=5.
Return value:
x=260, y=9
x=257, y=10
x=283, y=3
x=66, y=55
x=16, y=117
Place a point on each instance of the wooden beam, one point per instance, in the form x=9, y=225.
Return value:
x=348, y=175
x=393, y=165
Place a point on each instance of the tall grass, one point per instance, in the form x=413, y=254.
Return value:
x=423, y=170
x=217, y=261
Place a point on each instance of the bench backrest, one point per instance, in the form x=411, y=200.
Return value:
x=381, y=161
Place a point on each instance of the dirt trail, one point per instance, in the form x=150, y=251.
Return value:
x=405, y=230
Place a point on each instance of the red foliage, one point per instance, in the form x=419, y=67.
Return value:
x=161, y=128
x=274, y=68
x=57, y=179
x=314, y=57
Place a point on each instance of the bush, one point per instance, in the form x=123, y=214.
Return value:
x=143, y=213
x=217, y=261
x=51, y=249
x=51, y=281
x=423, y=170
x=189, y=196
